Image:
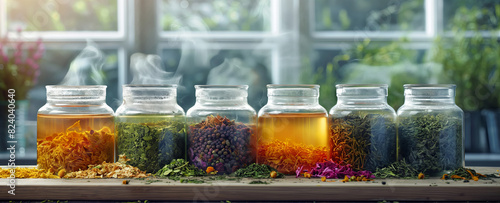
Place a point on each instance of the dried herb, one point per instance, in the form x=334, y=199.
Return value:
x=222, y=144
x=151, y=145
x=286, y=156
x=119, y=169
x=179, y=168
x=366, y=142
x=467, y=174
x=399, y=169
x=330, y=169
x=430, y=143
x=75, y=149
x=191, y=180
x=27, y=173
x=258, y=182
x=257, y=171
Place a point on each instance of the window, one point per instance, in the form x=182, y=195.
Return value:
x=249, y=42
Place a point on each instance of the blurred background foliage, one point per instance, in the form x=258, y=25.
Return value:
x=468, y=56
x=54, y=15
x=216, y=15
x=471, y=56
x=374, y=15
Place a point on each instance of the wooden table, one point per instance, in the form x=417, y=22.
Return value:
x=290, y=188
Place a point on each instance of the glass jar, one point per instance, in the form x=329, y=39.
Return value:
x=292, y=128
x=75, y=128
x=430, y=129
x=363, y=127
x=150, y=126
x=221, y=128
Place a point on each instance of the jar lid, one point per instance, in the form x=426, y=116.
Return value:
x=293, y=90
x=221, y=92
x=429, y=90
x=363, y=90
x=84, y=92
x=150, y=92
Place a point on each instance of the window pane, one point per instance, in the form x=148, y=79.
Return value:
x=53, y=67
x=62, y=15
x=374, y=15
x=471, y=14
x=215, y=15
x=220, y=67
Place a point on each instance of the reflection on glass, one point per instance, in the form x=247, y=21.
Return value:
x=215, y=15
x=374, y=15
x=220, y=67
x=62, y=15
x=471, y=14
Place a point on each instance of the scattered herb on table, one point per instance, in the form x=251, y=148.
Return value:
x=148, y=182
x=258, y=182
x=191, y=180
x=151, y=145
x=431, y=143
x=257, y=171
x=399, y=169
x=27, y=173
x=224, y=177
x=330, y=169
x=119, y=169
x=179, y=168
x=367, y=142
x=467, y=174
x=286, y=156
x=222, y=144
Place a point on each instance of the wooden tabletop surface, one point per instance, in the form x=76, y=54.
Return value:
x=287, y=189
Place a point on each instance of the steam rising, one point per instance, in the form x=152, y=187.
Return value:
x=86, y=68
x=148, y=69
x=231, y=72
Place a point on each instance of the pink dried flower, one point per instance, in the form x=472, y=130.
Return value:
x=330, y=169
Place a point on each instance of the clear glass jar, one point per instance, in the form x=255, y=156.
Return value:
x=292, y=128
x=430, y=129
x=363, y=127
x=150, y=126
x=75, y=128
x=221, y=128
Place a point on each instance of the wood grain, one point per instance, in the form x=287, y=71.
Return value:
x=288, y=189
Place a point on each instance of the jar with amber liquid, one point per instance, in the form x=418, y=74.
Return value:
x=292, y=128
x=75, y=129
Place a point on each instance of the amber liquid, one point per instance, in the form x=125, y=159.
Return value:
x=306, y=129
x=54, y=125
x=47, y=125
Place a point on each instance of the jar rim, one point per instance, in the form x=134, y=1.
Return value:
x=303, y=86
x=75, y=86
x=428, y=86
x=221, y=87
x=131, y=86
x=149, y=86
x=362, y=85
